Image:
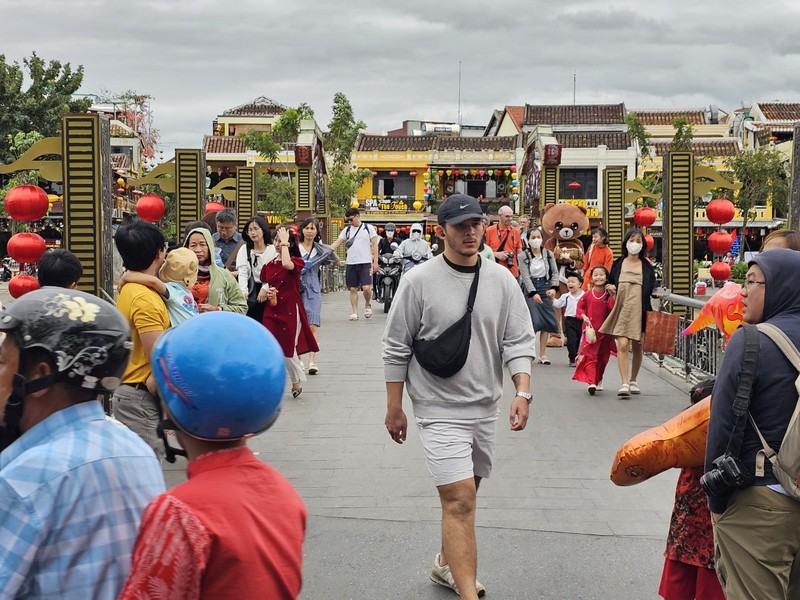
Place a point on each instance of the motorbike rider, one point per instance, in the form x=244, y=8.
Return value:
x=415, y=249
x=384, y=247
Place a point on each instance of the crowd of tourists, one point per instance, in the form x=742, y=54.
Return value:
x=85, y=511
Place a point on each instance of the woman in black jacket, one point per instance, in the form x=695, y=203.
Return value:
x=632, y=282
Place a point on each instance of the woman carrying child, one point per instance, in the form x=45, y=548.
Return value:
x=593, y=308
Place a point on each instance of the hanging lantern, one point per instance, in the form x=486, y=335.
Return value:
x=644, y=216
x=515, y=197
x=515, y=181
x=456, y=172
x=473, y=172
x=720, y=242
x=354, y=204
x=22, y=284
x=515, y=189
x=649, y=241
x=374, y=173
x=26, y=247
x=720, y=211
x=482, y=172
x=26, y=203
x=425, y=168
x=449, y=172
x=440, y=173
x=417, y=205
x=121, y=182
x=513, y=169
x=574, y=185
x=151, y=208
x=426, y=196
x=490, y=172
x=412, y=173
x=426, y=189
x=120, y=190
x=392, y=173
x=720, y=271
x=507, y=172
x=214, y=207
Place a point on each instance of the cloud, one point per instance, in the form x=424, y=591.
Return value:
x=400, y=60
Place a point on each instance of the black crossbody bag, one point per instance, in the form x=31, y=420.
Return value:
x=445, y=355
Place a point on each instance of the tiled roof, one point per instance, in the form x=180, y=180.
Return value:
x=214, y=144
x=476, y=143
x=397, y=143
x=615, y=140
x=666, y=117
x=780, y=111
x=259, y=107
x=119, y=161
x=517, y=114
x=371, y=143
x=581, y=114
x=717, y=147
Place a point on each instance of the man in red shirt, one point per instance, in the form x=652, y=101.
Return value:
x=235, y=529
x=504, y=239
x=599, y=255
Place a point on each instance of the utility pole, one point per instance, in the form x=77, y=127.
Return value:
x=794, y=198
x=459, y=93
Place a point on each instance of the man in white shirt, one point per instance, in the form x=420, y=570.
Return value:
x=361, y=241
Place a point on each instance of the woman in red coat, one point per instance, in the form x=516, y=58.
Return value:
x=284, y=315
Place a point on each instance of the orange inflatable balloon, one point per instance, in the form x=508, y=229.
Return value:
x=724, y=309
x=680, y=442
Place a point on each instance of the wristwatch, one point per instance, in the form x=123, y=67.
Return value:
x=527, y=395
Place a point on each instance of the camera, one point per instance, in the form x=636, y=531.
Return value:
x=509, y=260
x=726, y=476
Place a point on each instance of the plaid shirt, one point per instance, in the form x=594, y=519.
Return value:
x=72, y=492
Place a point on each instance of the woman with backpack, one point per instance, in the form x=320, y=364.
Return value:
x=539, y=280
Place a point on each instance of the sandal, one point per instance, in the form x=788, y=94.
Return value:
x=634, y=387
x=353, y=317
x=544, y=361
x=296, y=391
x=624, y=391
x=312, y=369
x=367, y=312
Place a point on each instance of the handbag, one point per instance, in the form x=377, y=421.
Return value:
x=661, y=331
x=444, y=356
x=253, y=286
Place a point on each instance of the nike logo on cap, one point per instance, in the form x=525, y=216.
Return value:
x=463, y=206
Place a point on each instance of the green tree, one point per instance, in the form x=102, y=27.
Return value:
x=275, y=195
x=764, y=180
x=344, y=180
x=287, y=126
x=684, y=132
x=639, y=134
x=263, y=143
x=40, y=106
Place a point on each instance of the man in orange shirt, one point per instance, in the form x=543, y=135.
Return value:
x=599, y=255
x=503, y=238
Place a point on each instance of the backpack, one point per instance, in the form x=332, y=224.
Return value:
x=786, y=462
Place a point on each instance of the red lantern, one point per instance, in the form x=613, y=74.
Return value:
x=214, y=207
x=720, y=271
x=720, y=211
x=120, y=190
x=150, y=208
x=456, y=172
x=22, y=284
x=393, y=173
x=425, y=168
x=513, y=169
x=26, y=247
x=482, y=172
x=574, y=185
x=649, y=241
x=412, y=173
x=26, y=203
x=645, y=216
x=720, y=242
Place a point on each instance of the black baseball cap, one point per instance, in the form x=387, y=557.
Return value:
x=458, y=208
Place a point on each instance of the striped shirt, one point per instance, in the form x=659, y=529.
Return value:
x=72, y=492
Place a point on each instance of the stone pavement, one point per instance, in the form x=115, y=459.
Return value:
x=550, y=524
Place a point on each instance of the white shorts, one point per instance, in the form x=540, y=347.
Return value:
x=458, y=449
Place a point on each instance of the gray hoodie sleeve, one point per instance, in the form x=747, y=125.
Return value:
x=402, y=327
x=518, y=339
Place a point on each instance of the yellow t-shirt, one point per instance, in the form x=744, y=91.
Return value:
x=146, y=312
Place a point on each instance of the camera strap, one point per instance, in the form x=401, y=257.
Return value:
x=741, y=403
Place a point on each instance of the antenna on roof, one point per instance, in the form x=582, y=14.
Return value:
x=574, y=85
x=459, y=93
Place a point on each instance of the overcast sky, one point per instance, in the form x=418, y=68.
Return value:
x=399, y=60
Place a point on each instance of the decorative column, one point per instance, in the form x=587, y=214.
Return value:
x=614, y=205
x=245, y=194
x=678, y=226
x=189, y=186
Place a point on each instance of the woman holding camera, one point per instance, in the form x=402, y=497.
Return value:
x=539, y=277
x=284, y=315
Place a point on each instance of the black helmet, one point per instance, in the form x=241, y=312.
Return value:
x=88, y=339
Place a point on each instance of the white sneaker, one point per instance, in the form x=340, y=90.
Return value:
x=441, y=575
x=600, y=387
x=635, y=388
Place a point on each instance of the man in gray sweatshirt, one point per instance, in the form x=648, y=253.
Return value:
x=457, y=415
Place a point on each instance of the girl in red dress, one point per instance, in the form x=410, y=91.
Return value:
x=284, y=315
x=593, y=307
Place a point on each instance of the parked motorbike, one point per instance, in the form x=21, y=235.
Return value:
x=5, y=273
x=390, y=267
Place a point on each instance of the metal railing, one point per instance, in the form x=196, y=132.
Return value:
x=697, y=356
x=332, y=278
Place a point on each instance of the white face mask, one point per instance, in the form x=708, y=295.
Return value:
x=535, y=242
x=389, y=235
x=634, y=248
x=415, y=235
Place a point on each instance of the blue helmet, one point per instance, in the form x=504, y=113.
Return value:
x=221, y=376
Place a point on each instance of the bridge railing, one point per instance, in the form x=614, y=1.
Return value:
x=332, y=278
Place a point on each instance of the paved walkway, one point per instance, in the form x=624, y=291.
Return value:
x=550, y=523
